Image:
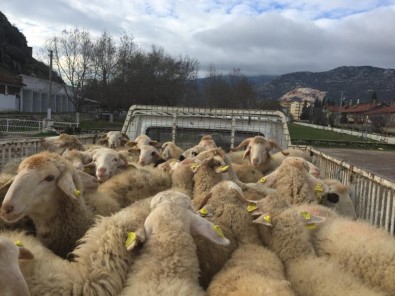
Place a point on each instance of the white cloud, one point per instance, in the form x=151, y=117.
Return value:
x=257, y=36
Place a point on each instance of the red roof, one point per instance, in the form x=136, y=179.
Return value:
x=359, y=108
x=6, y=79
x=386, y=109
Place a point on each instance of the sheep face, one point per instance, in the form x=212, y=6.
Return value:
x=59, y=144
x=114, y=139
x=147, y=155
x=40, y=179
x=77, y=158
x=208, y=142
x=107, y=162
x=141, y=141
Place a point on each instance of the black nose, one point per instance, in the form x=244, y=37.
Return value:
x=182, y=157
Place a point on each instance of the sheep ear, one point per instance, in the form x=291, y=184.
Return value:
x=247, y=153
x=264, y=219
x=134, y=150
x=5, y=186
x=25, y=254
x=131, y=144
x=67, y=185
x=154, y=143
x=207, y=229
x=90, y=182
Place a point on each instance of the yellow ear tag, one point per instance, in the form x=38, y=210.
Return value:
x=131, y=241
x=267, y=218
x=18, y=243
x=173, y=162
x=223, y=168
x=310, y=226
x=203, y=212
x=76, y=192
x=218, y=230
x=194, y=166
x=319, y=188
x=306, y=215
x=262, y=180
x=251, y=207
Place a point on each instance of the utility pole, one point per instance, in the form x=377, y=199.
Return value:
x=50, y=85
x=340, y=108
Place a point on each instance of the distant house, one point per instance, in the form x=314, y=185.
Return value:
x=384, y=116
x=355, y=113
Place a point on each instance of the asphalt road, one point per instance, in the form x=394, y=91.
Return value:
x=381, y=163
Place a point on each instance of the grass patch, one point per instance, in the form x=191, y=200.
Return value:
x=304, y=132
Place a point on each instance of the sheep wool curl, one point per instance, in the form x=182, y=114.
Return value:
x=167, y=264
x=308, y=274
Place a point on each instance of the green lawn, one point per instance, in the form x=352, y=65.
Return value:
x=303, y=132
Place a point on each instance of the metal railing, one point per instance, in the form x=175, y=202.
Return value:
x=19, y=126
x=373, y=196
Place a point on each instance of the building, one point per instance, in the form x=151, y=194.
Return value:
x=30, y=94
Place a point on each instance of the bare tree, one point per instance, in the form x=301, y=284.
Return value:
x=72, y=51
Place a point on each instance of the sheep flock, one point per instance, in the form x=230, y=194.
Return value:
x=139, y=217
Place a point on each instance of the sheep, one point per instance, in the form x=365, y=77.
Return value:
x=171, y=150
x=182, y=175
x=47, y=190
x=78, y=158
x=147, y=155
x=360, y=248
x=107, y=163
x=338, y=198
x=257, y=150
x=192, y=152
x=131, y=185
x=207, y=141
x=252, y=270
x=167, y=264
x=142, y=140
x=290, y=240
x=295, y=183
x=101, y=260
x=224, y=205
x=113, y=139
x=12, y=281
x=59, y=144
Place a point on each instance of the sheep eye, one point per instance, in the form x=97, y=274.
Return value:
x=194, y=154
x=115, y=160
x=49, y=178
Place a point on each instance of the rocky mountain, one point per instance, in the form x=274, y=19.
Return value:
x=355, y=82
x=16, y=57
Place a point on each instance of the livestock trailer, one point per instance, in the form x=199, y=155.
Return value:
x=185, y=125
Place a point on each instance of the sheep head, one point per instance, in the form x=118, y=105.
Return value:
x=40, y=180
x=107, y=162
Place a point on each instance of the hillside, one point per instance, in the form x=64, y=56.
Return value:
x=16, y=57
x=356, y=82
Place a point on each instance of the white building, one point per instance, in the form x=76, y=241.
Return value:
x=30, y=94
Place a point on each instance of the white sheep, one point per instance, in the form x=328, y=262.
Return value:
x=113, y=139
x=59, y=144
x=135, y=184
x=208, y=142
x=360, y=248
x=258, y=153
x=142, y=140
x=147, y=155
x=106, y=162
x=309, y=274
x=78, y=158
x=47, y=189
x=192, y=152
x=101, y=260
x=252, y=270
x=12, y=282
x=168, y=264
x=171, y=150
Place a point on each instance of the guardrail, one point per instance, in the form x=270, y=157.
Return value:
x=16, y=125
x=373, y=196
x=19, y=148
x=343, y=144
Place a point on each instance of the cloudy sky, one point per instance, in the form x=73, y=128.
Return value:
x=257, y=36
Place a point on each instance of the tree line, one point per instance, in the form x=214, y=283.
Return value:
x=120, y=74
